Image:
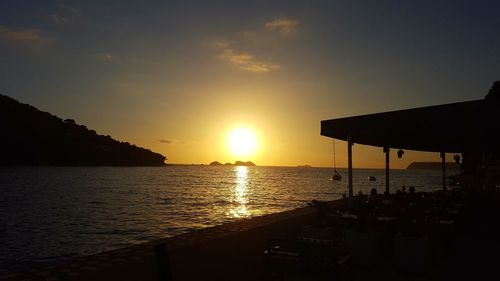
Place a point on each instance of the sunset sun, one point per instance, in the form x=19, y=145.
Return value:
x=242, y=142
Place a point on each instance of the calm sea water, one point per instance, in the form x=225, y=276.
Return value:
x=50, y=213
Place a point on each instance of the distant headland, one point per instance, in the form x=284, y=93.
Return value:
x=237, y=163
x=432, y=166
x=34, y=137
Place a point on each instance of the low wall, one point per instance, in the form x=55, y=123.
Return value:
x=225, y=252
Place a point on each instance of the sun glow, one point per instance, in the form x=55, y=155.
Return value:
x=242, y=142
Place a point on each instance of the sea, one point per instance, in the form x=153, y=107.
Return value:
x=55, y=213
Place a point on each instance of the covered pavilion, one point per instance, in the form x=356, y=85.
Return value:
x=463, y=127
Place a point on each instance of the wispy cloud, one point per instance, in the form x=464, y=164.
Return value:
x=284, y=26
x=66, y=15
x=33, y=37
x=125, y=60
x=173, y=141
x=246, y=61
x=241, y=49
x=222, y=44
x=104, y=56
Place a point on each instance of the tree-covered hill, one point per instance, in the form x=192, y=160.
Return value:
x=33, y=137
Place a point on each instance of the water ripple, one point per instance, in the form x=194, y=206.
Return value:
x=56, y=212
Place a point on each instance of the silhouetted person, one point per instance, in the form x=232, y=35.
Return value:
x=399, y=202
x=412, y=198
x=373, y=199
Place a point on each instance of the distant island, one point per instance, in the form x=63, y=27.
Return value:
x=304, y=166
x=237, y=163
x=34, y=137
x=432, y=166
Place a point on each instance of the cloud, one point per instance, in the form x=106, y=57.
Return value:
x=173, y=141
x=104, y=56
x=223, y=44
x=240, y=49
x=165, y=141
x=284, y=26
x=66, y=15
x=33, y=37
x=246, y=61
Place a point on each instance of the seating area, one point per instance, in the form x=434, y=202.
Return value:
x=402, y=235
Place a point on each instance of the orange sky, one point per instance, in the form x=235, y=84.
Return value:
x=177, y=77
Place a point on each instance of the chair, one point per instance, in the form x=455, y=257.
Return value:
x=304, y=260
x=325, y=261
x=283, y=259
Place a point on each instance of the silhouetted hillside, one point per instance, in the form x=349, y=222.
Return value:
x=33, y=137
x=241, y=163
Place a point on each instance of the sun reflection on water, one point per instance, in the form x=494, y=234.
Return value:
x=240, y=199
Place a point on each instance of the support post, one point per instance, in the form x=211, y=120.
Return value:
x=386, y=150
x=443, y=167
x=349, y=165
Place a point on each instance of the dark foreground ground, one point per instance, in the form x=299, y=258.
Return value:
x=474, y=253
x=477, y=247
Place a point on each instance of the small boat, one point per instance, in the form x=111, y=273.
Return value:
x=372, y=178
x=336, y=176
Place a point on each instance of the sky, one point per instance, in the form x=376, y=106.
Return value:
x=178, y=77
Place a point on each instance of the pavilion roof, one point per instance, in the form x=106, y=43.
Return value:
x=454, y=127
